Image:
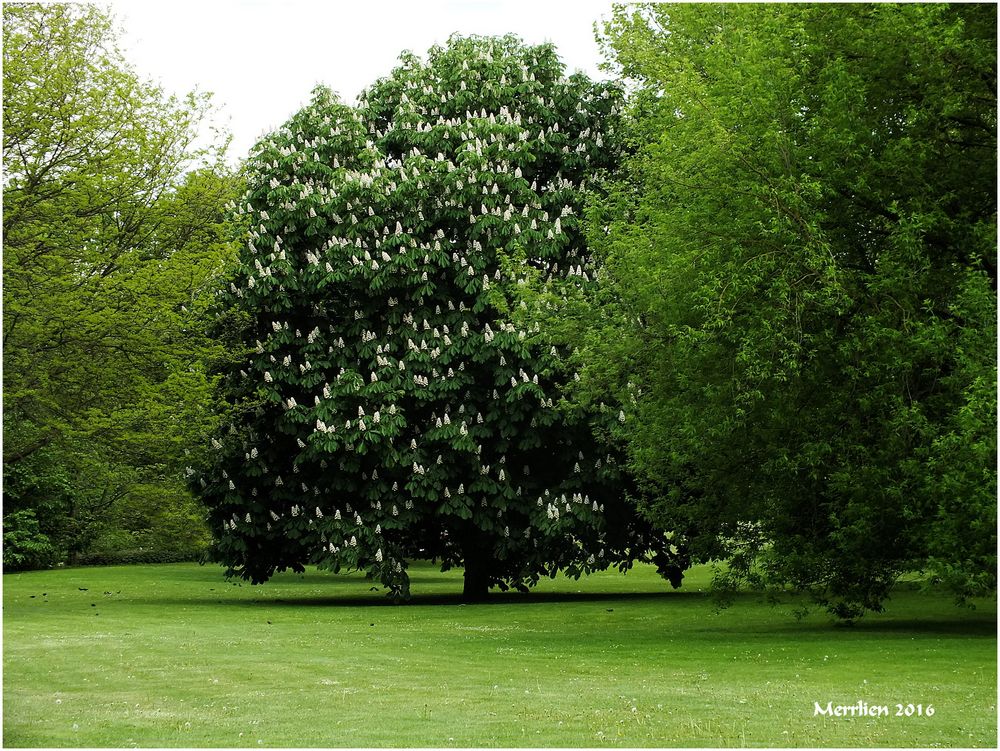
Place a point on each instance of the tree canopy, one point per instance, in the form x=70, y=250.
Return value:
x=798, y=298
x=112, y=224
x=390, y=407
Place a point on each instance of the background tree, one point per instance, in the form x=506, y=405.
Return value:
x=113, y=223
x=390, y=407
x=799, y=307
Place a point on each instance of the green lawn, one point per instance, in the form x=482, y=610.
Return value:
x=173, y=655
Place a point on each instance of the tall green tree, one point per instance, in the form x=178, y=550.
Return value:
x=390, y=407
x=799, y=302
x=113, y=224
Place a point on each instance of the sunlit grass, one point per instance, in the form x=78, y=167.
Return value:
x=173, y=655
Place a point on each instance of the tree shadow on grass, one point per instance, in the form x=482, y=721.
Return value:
x=968, y=623
x=375, y=599
x=885, y=625
x=971, y=624
x=495, y=598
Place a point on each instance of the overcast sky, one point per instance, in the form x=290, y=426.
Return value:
x=261, y=58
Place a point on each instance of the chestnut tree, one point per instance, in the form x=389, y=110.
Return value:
x=389, y=406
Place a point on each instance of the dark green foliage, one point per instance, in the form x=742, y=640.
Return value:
x=141, y=556
x=25, y=546
x=799, y=312
x=390, y=407
x=40, y=487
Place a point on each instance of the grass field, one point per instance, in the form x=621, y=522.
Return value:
x=172, y=655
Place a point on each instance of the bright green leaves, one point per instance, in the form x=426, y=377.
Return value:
x=113, y=236
x=782, y=257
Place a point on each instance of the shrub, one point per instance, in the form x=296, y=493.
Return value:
x=25, y=546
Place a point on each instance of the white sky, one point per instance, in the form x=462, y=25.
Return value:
x=260, y=58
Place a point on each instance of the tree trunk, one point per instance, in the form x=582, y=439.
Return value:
x=477, y=559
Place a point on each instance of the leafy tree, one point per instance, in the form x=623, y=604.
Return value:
x=799, y=299
x=389, y=406
x=25, y=546
x=112, y=226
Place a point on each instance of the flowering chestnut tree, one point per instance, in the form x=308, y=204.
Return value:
x=390, y=407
